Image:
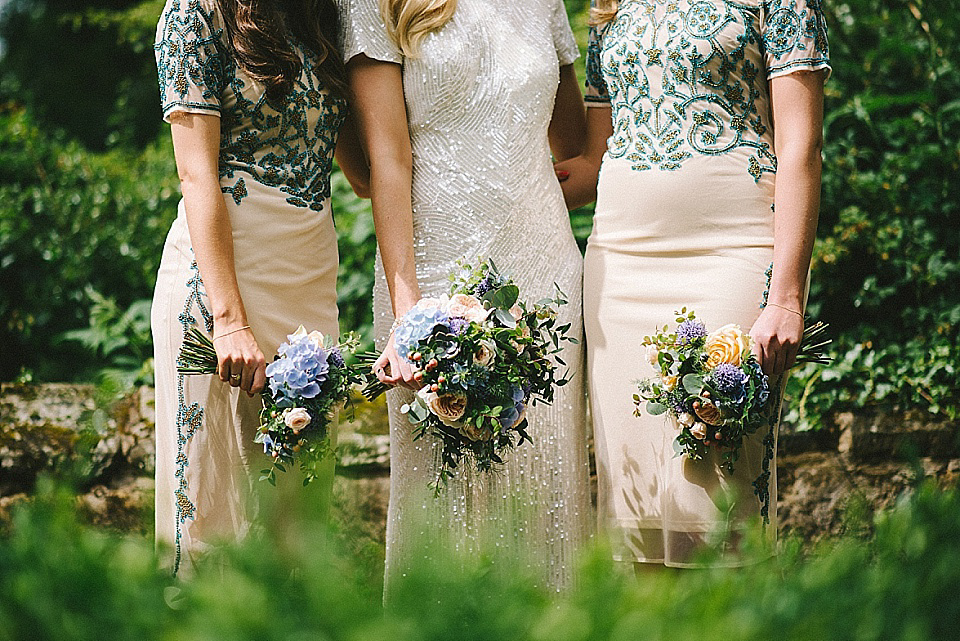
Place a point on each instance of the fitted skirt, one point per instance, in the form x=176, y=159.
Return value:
x=663, y=241
x=207, y=462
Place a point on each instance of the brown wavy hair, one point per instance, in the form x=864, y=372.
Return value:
x=258, y=35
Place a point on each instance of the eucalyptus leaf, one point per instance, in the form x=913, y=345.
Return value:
x=655, y=409
x=693, y=383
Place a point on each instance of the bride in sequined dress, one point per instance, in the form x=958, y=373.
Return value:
x=459, y=105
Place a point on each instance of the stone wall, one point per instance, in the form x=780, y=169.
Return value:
x=830, y=480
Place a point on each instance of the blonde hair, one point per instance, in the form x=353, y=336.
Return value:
x=603, y=12
x=409, y=21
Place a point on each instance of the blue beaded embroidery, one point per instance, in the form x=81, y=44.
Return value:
x=712, y=62
x=273, y=144
x=189, y=416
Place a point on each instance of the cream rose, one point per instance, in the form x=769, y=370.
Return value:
x=516, y=312
x=315, y=337
x=699, y=430
x=449, y=408
x=296, y=418
x=484, y=354
x=729, y=344
x=686, y=419
x=670, y=382
x=467, y=307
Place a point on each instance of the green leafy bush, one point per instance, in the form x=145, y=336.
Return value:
x=60, y=580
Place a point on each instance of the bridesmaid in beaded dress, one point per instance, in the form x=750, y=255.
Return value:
x=717, y=110
x=255, y=108
x=459, y=103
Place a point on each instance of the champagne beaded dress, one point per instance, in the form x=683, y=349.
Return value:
x=274, y=170
x=479, y=99
x=684, y=218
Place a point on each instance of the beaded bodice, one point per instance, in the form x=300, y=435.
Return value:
x=690, y=78
x=288, y=146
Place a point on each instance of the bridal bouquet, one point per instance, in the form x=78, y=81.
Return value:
x=482, y=357
x=712, y=384
x=307, y=383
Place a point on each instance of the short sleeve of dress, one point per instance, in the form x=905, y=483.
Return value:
x=794, y=36
x=190, y=58
x=563, y=40
x=363, y=31
x=596, y=94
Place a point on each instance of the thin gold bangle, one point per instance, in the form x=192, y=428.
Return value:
x=232, y=331
x=800, y=314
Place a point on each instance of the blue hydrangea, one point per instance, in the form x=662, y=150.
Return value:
x=690, y=331
x=511, y=414
x=300, y=371
x=730, y=381
x=415, y=326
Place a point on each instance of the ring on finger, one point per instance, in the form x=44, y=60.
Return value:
x=234, y=377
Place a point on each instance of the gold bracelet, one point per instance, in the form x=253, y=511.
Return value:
x=232, y=331
x=800, y=314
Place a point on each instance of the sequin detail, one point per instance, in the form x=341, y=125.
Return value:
x=688, y=79
x=479, y=99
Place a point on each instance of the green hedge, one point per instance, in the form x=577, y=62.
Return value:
x=60, y=580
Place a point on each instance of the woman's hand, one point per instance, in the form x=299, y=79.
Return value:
x=776, y=336
x=240, y=361
x=391, y=369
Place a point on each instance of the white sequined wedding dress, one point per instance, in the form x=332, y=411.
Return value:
x=479, y=99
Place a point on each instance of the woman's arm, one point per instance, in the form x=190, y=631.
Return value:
x=567, y=132
x=797, y=106
x=381, y=117
x=196, y=144
x=351, y=159
x=578, y=175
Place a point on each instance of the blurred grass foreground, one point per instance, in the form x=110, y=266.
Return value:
x=60, y=579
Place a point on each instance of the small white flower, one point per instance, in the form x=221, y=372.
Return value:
x=296, y=418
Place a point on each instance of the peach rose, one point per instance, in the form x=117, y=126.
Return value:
x=467, y=307
x=516, y=312
x=449, y=408
x=729, y=344
x=474, y=433
x=296, y=418
x=708, y=413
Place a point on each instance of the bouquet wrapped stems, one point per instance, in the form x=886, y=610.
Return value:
x=307, y=382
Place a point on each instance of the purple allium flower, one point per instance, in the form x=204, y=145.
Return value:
x=301, y=369
x=483, y=286
x=457, y=325
x=335, y=357
x=418, y=323
x=730, y=380
x=690, y=331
